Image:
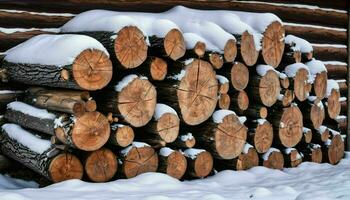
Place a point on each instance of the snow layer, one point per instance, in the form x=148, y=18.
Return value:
x=331, y=84
x=165, y=151
x=298, y=44
x=30, y=110
x=316, y=66
x=161, y=109
x=267, y=154
x=263, y=69
x=26, y=138
x=308, y=181
x=48, y=49
x=192, y=153
x=191, y=40
x=180, y=75
x=246, y=148
x=222, y=79
x=13, y=30
x=306, y=130
x=125, y=82
x=219, y=115
x=291, y=70
x=186, y=137
x=126, y=150
x=10, y=91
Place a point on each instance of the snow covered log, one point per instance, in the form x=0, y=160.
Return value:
x=247, y=159
x=333, y=149
x=313, y=112
x=133, y=100
x=185, y=141
x=172, y=162
x=340, y=123
x=302, y=49
x=260, y=135
x=300, y=80
x=224, y=84
x=39, y=155
x=288, y=126
x=88, y=132
x=121, y=135
x=67, y=101
x=238, y=74
x=45, y=60
x=292, y=158
x=239, y=101
x=318, y=72
x=265, y=86
x=192, y=93
x=333, y=99
x=224, y=135
x=136, y=159
x=284, y=81
x=199, y=163
x=312, y=153
x=164, y=126
x=100, y=165
x=273, y=159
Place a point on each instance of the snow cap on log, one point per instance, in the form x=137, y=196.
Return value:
x=58, y=50
x=30, y=110
x=165, y=151
x=332, y=85
x=192, y=152
x=26, y=138
x=316, y=66
x=291, y=70
x=126, y=150
x=161, y=109
x=298, y=44
x=246, y=148
x=191, y=40
x=267, y=154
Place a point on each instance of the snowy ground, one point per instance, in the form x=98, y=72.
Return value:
x=308, y=181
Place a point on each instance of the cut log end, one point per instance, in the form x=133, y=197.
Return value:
x=176, y=165
x=285, y=83
x=90, y=105
x=288, y=98
x=333, y=104
x=263, y=137
x=101, y=165
x=78, y=109
x=140, y=160
x=239, y=76
x=230, y=50
x=320, y=84
x=158, y=69
x=317, y=114
x=335, y=150
x=274, y=161
x=295, y=158
x=269, y=88
x=301, y=86
x=216, y=60
x=249, y=53
x=307, y=135
x=168, y=127
x=230, y=137
x=203, y=165
x=291, y=126
x=273, y=44
x=199, y=49
x=90, y=131
x=65, y=166
x=174, y=44
x=224, y=101
x=123, y=136
x=243, y=100
x=263, y=112
x=197, y=92
x=137, y=101
x=316, y=155
x=248, y=160
x=65, y=74
x=130, y=47
x=92, y=69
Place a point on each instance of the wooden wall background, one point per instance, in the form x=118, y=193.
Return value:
x=324, y=23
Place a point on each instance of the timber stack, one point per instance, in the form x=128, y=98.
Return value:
x=117, y=94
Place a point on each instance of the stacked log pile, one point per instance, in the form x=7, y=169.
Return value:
x=117, y=94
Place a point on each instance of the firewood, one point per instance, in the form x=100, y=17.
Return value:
x=240, y=101
x=101, y=165
x=260, y=135
x=256, y=111
x=88, y=132
x=121, y=135
x=284, y=81
x=314, y=112
x=199, y=163
x=320, y=135
x=333, y=149
x=136, y=159
x=133, y=100
x=238, y=74
x=285, y=98
x=273, y=159
x=333, y=104
x=298, y=74
x=186, y=141
x=223, y=136
x=193, y=95
x=247, y=49
x=224, y=101
x=38, y=155
x=224, y=84
x=312, y=153
x=172, y=162
x=292, y=157
x=307, y=136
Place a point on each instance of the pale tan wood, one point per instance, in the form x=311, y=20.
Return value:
x=65, y=166
x=273, y=44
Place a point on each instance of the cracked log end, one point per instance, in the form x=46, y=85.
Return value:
x=263, y=137
x=168, y=126
x=101, y=165
x=333, y=104
x=273, y=44
x=291, y=126
x=269, y=88
x=239, y=76
x=249, y=53
x=174, y=44
x=65, y=166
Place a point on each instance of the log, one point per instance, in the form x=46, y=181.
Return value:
x=164, y=125
x=7, y=96
x=288, y=126
x=336, y=71
x=88, y=132
x=238, y=74
x=333, y=104
x=333, y=150
x=223, y=136
x=47, y=162
x=266, y=88
x=292, y=158
x=312, y=153
x=260, y=135
x=247, y=159
x=121, y=135
x=90, y=70
x=286, y=98
x=247, y=49
x=340, y=123
x=272, y=159
x=284, y=81
x=101, y=165
x=172, y=163
x=290, y=55
x=320, y=135
x=240, y=101
x=185, y=141
x=343, y=87
x=224, y=84
x=307, y=136
x=66, y=101
x=314, y=113
x=330, y=53
x=224, y=101
x=138, y=158
x=127, y=48
x=133, y=100
x=194, y=95
x=299, y=80
x=215, y=59
x=199, y=163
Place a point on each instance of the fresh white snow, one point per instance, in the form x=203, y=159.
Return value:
x=222, y=79
x=298, y=44
x=329, y=45
x=267, y=154
x=291, y=70
x=165, y=151
x=13, y=30
x=334, y=63
x=161, y=109
x=314, y=26
x=179, y=76
x=191, y=40
x=306, y=130
x=322, y=129
x=30, y=110
x=26, y=138
x=192, y=153
x=331, y=84
x=219, y=115
x=263, y=69
x=125, y=82
x=48, y=49
x=246, y=148
x=126, y=150
x=10, y=91
x=186, y=137
x=38, y=13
